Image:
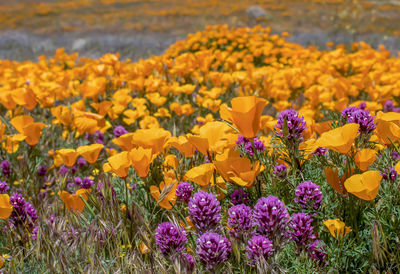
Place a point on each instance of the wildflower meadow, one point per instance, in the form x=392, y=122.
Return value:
x=234, y=151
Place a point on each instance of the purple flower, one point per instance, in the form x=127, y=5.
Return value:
x=6, y=168
x=78, y=181
x=170, y=237
x=184, y=191
x=239, y=220
x=301, y=230
x=74, y=169
x=280, y=171
x=81, y=162
x=362, y=105
x=389, y=174
x=290, y=126
x=320, y=151
x=35, y=233
x=361, y=117
x=248, y=146
x=3, y=187
x=87, y=183
x=188, y=261
x=42, y=170
x=204, y=211
x=317, y=251
x=395, y=155
x=271, y=218
x=308, y=195
x=119, y=131
x=259, y=247
x=389, y=107
x=239, y=196
x=213, y=249
x=63, y=170
x=23, y=212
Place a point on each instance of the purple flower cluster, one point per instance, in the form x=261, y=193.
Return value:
x=389, y=107
x=395, y=155
x=23, y=213
x=361, y=117
x=271, y=217
x=280, y=171
x=290, y=126
x=170, y=238
x=184, y=191
x=188, y=261
x=204, y=211
x=85, y=183
x=97, y=137
x=320, y=151
x=389, y=174
x=259, y=247
x=301, y=231
x=317, y=251
x=119, y=131
x=308, y=195
x=81, y=162
x=239, y=220
x=3, y=187
x=6, y=168
x=213, y=249
x=248, y=146
x=239, y=196
x=42, y=170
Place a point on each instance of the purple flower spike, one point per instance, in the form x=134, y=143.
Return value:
x=6, y=168
x=259, y=247
x=301, y=230
x=295, y=126
x=280, y=171
x=213, y=249
x=248, y=146
x=42, y=170
x=320, y=151
x=119, y=131
x=170, y=238
x=3, y=187
x=184, y=191
x=361, y=117
x=317, y=251
x=204, y=211
x=394, y=155
x=389, y=174
x=239, y=196
x=308, y=195
x=81, y=162
x=239, y=220
x=271, y=218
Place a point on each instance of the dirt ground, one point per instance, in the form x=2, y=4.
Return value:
x=137, y=29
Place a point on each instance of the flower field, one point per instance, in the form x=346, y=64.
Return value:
x=236, y=151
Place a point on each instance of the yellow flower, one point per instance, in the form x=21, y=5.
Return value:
x=339, y=139
x=365, y=186
x=5, y=207
x=245, y=114
x=337, y=228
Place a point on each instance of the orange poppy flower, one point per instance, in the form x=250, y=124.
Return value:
x=365, y=186
x=364, y=158
x=237, y=169
x=213, y=137
x=125, y=141
x=140, y=160
x=201, y=174
x=167, y=196
x=171, y=161
x=388, y=127
x=118, y=164
x=337, y=228
x=154, y=138
x=91, y=152
x=74, y=201
x=27, y=127
x=68, y=156
x=182, y=144
x=245, y=114
x=339, y=139
x=5, y=207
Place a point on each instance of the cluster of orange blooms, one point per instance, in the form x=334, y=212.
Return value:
x=177, y=100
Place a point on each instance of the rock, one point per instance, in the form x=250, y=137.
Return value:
x=79, y=44
x=257, y=12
